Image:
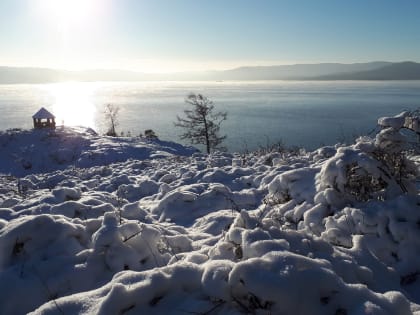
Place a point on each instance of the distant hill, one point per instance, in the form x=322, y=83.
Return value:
x=298, y=71
x=28, y=75
x=10, y=75
x=379, y=70
x=395, y=71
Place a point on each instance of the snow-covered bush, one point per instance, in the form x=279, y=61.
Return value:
x=150, y=134
x=372, y=168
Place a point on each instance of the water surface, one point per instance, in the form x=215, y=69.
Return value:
x=307, y=114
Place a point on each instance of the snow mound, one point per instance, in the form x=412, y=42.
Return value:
x=43, y=150
x=334, y=231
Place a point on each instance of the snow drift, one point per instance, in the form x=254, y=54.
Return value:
x=334, y=231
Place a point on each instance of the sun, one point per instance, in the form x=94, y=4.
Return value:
x=68, y=13
x=73, y=25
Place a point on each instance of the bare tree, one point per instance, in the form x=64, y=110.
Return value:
x=111, y=118
x=201, y=125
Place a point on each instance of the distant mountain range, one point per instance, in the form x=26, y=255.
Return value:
x=393, y=71
x=378, y=70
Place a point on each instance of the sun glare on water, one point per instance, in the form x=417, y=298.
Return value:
x=72, y=103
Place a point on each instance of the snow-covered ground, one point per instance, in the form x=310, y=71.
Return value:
x=98, y=225
x=38, y=151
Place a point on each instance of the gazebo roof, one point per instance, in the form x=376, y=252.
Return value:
x=43, y=114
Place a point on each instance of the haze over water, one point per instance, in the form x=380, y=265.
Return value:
x=301, y=113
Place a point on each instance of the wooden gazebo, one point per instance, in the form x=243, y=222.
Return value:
x=43, y=119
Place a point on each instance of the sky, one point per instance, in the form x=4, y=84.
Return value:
x=190, y=35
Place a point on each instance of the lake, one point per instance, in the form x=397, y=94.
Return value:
x=300, y=113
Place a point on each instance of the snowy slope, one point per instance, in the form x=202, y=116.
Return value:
x=257, y=233
x=36, y=151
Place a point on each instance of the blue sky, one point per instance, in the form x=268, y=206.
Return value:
x=177, y=35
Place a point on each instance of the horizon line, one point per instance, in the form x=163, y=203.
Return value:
x=198, y=71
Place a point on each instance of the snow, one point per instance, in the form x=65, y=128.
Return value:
x=101, y=225
x=26, y=152
x=43, y=114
